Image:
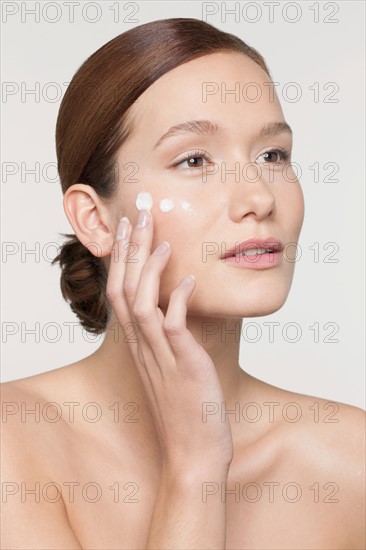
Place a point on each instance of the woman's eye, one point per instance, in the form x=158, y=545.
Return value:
x=275, y=156
x=194, y=160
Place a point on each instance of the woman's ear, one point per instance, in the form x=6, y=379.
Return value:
x=89, y=218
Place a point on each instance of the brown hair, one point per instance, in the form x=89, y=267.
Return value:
x=93, y=124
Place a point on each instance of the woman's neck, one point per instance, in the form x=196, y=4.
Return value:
x=111, y=374
x=219, y=337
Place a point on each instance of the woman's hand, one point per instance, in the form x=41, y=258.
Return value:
x=177, y=373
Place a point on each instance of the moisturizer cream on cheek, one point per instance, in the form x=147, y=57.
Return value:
x=186, y=205
x=144, y=201
x=166, y=205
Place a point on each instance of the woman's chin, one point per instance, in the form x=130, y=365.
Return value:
x=266, y=303
x=263, y=310
x=237, y=309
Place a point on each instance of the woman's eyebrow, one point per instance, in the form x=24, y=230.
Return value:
x=211, y=128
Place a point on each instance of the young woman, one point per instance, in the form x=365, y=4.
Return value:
x=160, y=439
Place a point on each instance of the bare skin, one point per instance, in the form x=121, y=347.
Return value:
x=110, y=453
x=170, y=467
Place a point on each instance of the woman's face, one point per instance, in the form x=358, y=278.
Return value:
x=225, y=192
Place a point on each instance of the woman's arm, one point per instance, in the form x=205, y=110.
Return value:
x=183, y=517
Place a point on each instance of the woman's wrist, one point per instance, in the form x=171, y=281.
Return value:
x=192, y=476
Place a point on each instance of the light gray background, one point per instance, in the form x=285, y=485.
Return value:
x=305, y=52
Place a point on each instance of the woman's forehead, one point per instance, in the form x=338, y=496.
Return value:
x=221, y=85
x=218, y=74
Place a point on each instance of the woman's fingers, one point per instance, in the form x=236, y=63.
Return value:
x=130, y=253
x=141, y=287
x=146, y=309
x=175, y=323
x=117, y=269
x=139, y=251
x=116, y=275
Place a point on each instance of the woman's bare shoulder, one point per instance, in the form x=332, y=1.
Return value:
x=334, y=425
x=30, y=405
x=297, y=408
x=41, y=384
x=43, y=391
x=336, y=444
x=29, y=450
x=316, y=426
x=326, y=441
x=23, y=400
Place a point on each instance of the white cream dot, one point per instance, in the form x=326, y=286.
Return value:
x=166, y=205
x=144, y=200
x=186, y=205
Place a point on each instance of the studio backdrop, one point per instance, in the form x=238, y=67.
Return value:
x=315, y=50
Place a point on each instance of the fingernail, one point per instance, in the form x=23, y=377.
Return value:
x=143, y=218
x=163, y=247
x=187, y=280
x=122, y=229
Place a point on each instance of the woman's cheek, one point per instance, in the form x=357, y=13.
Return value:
x=170, y=215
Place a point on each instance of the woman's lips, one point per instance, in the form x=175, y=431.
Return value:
x=263, y=253
x=265, y=260
x=271, y=243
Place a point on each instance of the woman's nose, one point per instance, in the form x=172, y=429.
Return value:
x=250, y=195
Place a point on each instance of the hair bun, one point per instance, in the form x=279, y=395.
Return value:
x=83, y=284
